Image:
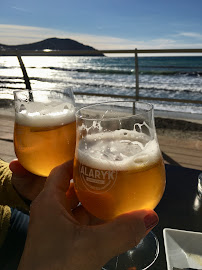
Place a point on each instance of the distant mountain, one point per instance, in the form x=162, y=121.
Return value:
x=53, y=44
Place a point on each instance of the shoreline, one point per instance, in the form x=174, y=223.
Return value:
x=192, y=117
x=8, y=105
x=180, y=140
x=177, y=124
x=182, y=129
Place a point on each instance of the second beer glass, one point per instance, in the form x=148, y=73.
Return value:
x=118, y=165
x=45, y=129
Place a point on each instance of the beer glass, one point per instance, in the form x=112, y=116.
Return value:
x=45, y=129
x=118, y=166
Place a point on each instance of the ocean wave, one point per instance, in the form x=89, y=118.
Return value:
x=9, y=79
x=171, y=66
x=9, y=67
x=91, y=70
x=115, y=84
x=173, y=73
x=143, y=70
x=128, y=72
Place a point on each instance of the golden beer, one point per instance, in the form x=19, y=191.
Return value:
x=44, y=141
x=118, y=175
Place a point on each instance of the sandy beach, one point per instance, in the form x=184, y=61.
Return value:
x=180, y=139
x=185, y=129
x=186, y=126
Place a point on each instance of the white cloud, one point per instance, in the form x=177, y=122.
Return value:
x=20, y=9
x=191, y=35
x=18, y=34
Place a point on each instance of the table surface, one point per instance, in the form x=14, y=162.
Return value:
x=180, y=207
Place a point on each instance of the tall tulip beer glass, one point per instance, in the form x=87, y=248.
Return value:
x=118, y=165
x=45, y=129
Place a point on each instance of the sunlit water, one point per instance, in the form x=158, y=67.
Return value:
x=168, y=77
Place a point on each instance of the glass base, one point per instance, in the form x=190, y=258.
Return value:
x=140, y=257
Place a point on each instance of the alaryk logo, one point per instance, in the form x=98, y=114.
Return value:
x=96, y=180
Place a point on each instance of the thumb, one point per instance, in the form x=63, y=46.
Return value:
x=126, y=231
x=60, y=176
x=57, y=185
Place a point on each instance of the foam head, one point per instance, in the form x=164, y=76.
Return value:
x=37, y=114
x=118, y=150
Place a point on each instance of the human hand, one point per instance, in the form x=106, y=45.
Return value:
x=28, y=185
x=56, y=239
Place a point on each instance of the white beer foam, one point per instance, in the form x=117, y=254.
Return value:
x=45, y=115
x=118, y=150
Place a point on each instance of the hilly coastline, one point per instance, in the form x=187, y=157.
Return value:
x=53, y=44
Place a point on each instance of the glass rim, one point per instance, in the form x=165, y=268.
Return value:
x=111, y=102
x=32, y=95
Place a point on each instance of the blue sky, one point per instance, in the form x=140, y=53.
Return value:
x=106, y=24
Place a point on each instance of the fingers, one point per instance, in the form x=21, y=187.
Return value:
x=28, y=185
x=18, y=169
x=59, y=178
x=126, y=231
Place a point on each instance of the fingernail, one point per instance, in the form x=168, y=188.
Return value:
x=150, y=221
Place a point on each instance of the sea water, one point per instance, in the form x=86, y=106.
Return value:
x=160, y=77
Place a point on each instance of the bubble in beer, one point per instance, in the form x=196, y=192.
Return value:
x=22, y=108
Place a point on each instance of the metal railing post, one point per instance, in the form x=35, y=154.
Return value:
x=24, y=72
x=136, y=76
x=26, y=78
